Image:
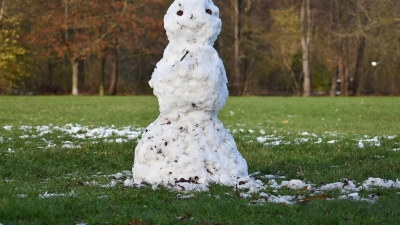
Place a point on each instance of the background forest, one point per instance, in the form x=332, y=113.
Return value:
x=269, y=47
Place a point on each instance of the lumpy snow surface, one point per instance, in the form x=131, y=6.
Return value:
x=187, y=141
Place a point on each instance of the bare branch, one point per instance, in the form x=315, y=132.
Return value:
x=370, y=26
x=364, y=10
x=2, y=12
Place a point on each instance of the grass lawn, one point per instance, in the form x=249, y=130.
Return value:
x=63, y=160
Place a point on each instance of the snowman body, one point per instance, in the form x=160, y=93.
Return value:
x=187, y=142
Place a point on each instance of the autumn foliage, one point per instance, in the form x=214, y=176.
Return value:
x=94, y=46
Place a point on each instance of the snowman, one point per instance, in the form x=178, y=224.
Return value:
x=187, y=142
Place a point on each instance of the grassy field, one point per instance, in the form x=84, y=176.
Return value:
x=49, y=174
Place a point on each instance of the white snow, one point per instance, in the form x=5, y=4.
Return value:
x=379, y=182
x=371, y=141
x=22, y=195
x=247, y=187
x=7, y=127
x=187, y=141
x=48, y=195
x=295, y=184
x=270, y=176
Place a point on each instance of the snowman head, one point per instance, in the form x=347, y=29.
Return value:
x=192, y=21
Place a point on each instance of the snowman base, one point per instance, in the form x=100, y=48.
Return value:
x=197, y=150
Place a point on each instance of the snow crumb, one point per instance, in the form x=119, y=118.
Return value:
x=180, y=196
x=244, y=195
x=22, y=195
x=255, y=173
x=117, y=175
x=103, y=197
x=109, y=185
x=270, y=176
x=371, y=141
x=379, y=182
x=331, y=142
x=288, y=200
x=48, y=195
x=7, y=127
x=295, y=184
x=120, y=140
x=396, y=149
x=355, y=196
x=69, y=144
x=346, y=185
x=390, y=137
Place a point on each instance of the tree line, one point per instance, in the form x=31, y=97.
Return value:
x=269, y=47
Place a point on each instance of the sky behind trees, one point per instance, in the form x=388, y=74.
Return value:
x=269, y=47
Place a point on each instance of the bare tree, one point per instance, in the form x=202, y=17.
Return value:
x=73, y=58
x=305, y=44
x=236, y=55
x=246, y=58
x=114, y=74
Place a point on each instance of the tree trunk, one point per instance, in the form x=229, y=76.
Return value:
x=305, y=44
x=246, y=47
x=236, y=55
x=50, y=73
x=81, y=80
x=359, y=67
x=337, y=45
x=103, y=57
x=114, y=74
x=75, y=76
x=334, y=82
x=344, y=66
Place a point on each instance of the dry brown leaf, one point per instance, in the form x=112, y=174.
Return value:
x=137, y=222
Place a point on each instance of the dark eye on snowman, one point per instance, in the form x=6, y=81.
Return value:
x=179, y=13
x=209, y=11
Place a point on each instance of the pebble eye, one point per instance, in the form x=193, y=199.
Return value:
x=179, y=13
x=209, y=11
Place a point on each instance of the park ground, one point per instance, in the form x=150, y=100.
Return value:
x=63, y=160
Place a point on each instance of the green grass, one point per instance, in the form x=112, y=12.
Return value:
x=34, y=168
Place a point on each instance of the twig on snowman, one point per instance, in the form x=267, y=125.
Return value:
x=148, y=63
x=185, y=55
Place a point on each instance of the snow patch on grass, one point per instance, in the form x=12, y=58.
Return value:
x=49, y=195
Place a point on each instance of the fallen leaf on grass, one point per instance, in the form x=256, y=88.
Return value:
x=136, y=222
x=310, y=199
x=202, y=222
x=187, y=216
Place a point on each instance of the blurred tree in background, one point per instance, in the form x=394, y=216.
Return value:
x=269, y=47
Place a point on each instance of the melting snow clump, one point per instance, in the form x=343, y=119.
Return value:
x=187, y=144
